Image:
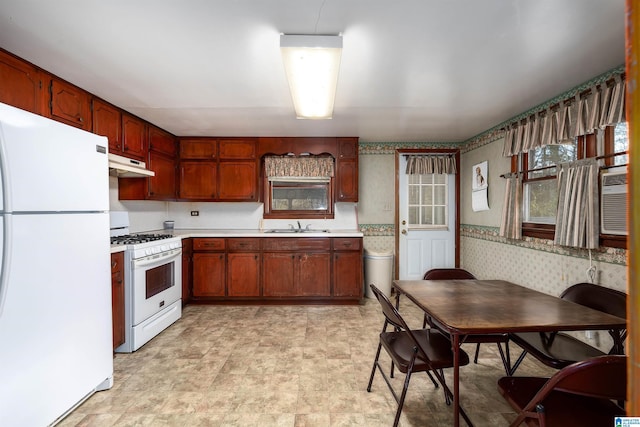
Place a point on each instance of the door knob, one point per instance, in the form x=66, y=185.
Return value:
x=404, y=231
x=404, y=222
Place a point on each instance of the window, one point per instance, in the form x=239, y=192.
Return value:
x=540, y=192
x=540, y=196
x=427, y=201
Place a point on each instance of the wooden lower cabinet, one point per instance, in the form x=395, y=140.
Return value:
x=272, y=269
x=347, y=278
x=117, y=298
x=208, y=274
x=243, y=267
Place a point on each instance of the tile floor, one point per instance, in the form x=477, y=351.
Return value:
x=282, y=366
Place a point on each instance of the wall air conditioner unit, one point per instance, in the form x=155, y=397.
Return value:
x=613, y=203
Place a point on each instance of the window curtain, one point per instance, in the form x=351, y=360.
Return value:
x=603, y=106
x=511, y=224
x=420, y=165
x=307, y=166
x=577, y=220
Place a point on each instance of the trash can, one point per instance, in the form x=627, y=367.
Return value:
x=378, y=269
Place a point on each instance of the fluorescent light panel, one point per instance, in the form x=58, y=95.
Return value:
x=312, y=63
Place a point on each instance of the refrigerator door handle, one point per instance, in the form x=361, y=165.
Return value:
x=6, y=258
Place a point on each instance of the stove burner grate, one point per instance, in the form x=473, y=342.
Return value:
x=132, y=239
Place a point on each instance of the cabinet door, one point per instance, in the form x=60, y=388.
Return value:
x=198, y=180
x=134, y=137
x=347, y=170
x=198, y=148
x=243, y=274
x=278, y=277
x=314, y=274
x=117, y=298
x=237, y=149
x=70, y=105
x=21, y=84
x=238, y=181
x=208, y=274
x=162, y=186
x=347, y=181
x=347, y=273
x=162, y=141
x=107, y=121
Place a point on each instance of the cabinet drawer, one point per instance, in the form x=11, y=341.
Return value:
x=347, y=244
x=208, y=244
x=243, y=245
x=302, y=243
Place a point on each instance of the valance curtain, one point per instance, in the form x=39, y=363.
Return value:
x=601, y=107
x=420, y=165
x=511, y=224
x=307, y=166
x=577, y=220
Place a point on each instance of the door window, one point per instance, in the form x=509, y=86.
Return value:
x=427, y=201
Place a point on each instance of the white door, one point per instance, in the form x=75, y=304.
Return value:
x=427, y=222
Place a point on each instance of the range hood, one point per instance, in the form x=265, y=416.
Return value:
x=123, y=167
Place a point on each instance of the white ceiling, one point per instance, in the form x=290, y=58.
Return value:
x=411, y=71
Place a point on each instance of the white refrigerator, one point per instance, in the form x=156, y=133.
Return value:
x=55, y=278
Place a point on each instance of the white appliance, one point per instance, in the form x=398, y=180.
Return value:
x=613, y=202
x=152, y=282
x=55, y=280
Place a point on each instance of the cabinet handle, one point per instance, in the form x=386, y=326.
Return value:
x=80, y=119
x=113, y=264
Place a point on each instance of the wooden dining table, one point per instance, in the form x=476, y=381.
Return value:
x=468, y=307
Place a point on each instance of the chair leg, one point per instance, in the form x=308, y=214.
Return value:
x=375, y=364
x=512, y=369
x=405, y=387
x=506, y=361
x=475, y=358
x=433, y=380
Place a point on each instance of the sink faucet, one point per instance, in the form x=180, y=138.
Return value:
x=299, y=226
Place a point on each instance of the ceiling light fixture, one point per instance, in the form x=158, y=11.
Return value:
x=312, y=63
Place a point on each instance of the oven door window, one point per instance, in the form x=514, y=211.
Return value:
x=159, y=279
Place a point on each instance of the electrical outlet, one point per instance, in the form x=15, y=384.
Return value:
x=195, y=213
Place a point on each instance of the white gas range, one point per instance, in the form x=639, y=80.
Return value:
x=153, y=281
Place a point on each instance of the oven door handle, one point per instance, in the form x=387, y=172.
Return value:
x=157, y=259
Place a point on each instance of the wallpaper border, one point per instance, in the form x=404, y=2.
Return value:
x=608, y=255
x=378, y=229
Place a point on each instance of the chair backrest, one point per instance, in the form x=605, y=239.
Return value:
x=598, y=297
x=447, y=274
x=602, y=377
x=390, y=313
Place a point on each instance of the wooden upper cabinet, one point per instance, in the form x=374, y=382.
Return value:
x=107, y=121
x=198, y=148
x=198, y=180
x=162, y=141
x=21, y=84
x=347, y=170
x=238, y=149
x=238, y=181
x=162, y=186
x=70, y=104
x=134, y=137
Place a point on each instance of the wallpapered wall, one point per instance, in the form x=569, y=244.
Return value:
x=534, y=263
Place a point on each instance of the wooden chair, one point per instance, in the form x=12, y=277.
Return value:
x=557, y=349
x=459, y=273
x=581, y=394
x=421, y=350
